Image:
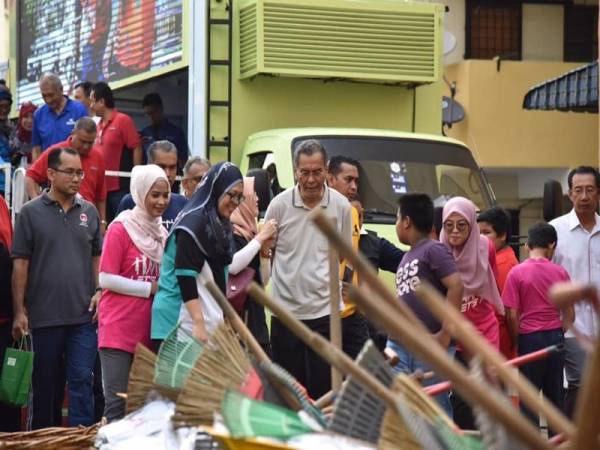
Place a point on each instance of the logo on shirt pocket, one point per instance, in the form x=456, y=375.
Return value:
x=83, y=220
x=71, y=122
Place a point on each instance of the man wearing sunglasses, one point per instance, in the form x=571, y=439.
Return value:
x=164, y=155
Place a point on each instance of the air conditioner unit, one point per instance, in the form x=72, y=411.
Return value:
x=377, y=41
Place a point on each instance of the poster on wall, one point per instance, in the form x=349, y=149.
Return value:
x=95, y=40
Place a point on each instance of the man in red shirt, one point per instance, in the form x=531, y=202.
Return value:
x=93, y=185
x=119, y=141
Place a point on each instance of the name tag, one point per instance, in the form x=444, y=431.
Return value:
x=11, y=362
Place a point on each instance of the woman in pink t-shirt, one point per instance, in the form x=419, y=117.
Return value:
x=475, y=258
x=129, y=270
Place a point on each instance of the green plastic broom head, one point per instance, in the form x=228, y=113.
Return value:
x=176, y=358
x=247, y=418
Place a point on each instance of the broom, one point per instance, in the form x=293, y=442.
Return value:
x=395, y=428
x=395, y=317
x=290, y=390
x=588, y=405
x=245, y=417
x=329, y=352
x=358, y=413
x=465, y=332
x=428, y=350
x=176, y=358
x=141, y=378
x=222, y=365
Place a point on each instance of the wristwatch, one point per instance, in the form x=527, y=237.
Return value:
x=103, y=222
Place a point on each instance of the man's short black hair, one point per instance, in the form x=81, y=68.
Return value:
x=86, y=87
x=102, y=91
x=541, y=235
x=498, y=218
x=334, y=167
x=54, y=156
x=419, y=207
x=584, y=170
x=152, y=99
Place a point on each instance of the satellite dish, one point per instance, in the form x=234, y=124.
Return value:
x=449, y=42
x=452, y=111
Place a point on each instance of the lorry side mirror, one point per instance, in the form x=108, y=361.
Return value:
x=553, y=200
x=262, y=187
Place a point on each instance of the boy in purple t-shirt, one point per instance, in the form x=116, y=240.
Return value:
x=533, y=321
x=430, y=261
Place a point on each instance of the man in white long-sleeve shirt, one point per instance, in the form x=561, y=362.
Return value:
x=578, y=251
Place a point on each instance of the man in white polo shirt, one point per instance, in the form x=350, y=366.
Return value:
x=578, y=251
x=300, y=273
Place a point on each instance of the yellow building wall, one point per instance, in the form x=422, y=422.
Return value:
x=502, y=134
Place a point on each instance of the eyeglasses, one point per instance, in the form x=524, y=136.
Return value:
x=460, y=226
x=71, y=173
x=588, y=190
x=236, y=199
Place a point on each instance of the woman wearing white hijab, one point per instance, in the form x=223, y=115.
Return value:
x=129, y=270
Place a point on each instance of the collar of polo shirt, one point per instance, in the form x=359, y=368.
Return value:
x=299, y=203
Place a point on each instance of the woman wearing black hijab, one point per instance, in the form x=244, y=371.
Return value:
x=198, y=249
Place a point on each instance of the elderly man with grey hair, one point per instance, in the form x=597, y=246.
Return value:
x=300, y=266
x=53, y=122
x=193, y=171
x=164, y=155
x=93, y=184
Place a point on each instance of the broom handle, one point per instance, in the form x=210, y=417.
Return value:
x=323, y=347
x=335, y=321
x=588, y=400
x=426, y=348
x=588, y=406
x=363, y=266
x=469, y=337
x=444, y=386
x=249, y=339
x=236, y=322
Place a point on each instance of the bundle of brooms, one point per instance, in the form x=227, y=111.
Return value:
x=342, y=362
x=58, y=438
x=390, y=313
x=223, y=364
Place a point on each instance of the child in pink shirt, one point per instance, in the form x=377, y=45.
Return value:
x=533, y=321
x=129, y=270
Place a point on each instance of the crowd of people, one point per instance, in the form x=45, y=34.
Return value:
x=97, y=265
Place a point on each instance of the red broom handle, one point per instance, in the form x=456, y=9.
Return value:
x=543, y=353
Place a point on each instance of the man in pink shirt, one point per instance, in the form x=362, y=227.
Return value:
x=533, y=321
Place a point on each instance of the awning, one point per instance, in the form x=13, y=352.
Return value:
x=576, y=91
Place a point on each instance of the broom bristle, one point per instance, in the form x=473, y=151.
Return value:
x=222, y=365
x=394, y=429
x=176, y=358
x=141, y=378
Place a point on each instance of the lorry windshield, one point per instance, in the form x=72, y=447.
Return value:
x=391, y=167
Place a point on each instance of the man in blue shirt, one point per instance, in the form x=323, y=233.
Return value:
x=161, y=129
x=164, y=155
x=54, y=122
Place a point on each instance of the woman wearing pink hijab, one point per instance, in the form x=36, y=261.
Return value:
x=475, y=258
x=129, y=270
x=248, y=242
